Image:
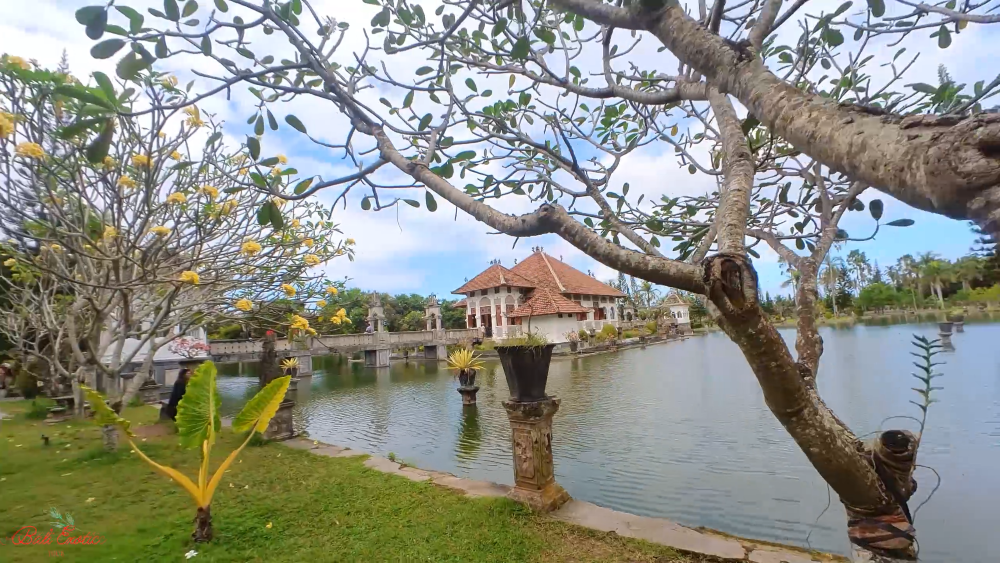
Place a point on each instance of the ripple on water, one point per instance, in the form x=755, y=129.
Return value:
x=681, y=431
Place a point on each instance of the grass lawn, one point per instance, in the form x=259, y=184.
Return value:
x=320, y=509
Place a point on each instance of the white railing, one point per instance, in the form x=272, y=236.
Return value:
x=346, y=341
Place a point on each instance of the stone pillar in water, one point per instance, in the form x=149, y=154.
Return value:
x=282, y=425
x=944, y=331
x=531, y=443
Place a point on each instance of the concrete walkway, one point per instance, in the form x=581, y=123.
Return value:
x=589, y=515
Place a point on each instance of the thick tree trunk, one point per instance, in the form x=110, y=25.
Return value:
x=109, y=437
x=203, y=525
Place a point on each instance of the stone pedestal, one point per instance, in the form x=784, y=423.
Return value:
x=435, y=352
x=281, y=427
x=378, y=358
x=944, y=332
x=959, y=326
x=468, y=394
x=531, y=443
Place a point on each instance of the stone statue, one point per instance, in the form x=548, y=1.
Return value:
x=432, y=301
x=376, y=300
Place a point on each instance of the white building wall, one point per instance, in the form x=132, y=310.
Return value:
x=551, y=327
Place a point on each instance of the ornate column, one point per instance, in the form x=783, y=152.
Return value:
x=531, y=443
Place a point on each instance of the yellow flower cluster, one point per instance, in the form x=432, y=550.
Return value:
x=282, y=159
x=276, y=171
x=140, y=160
x=175, y=155
x=289, y=290
x=244, y=305
x=6, y=124
x=250, y=248
x=321, y=303
x=308, y=242
x=340, y=317
x=211, y=191
x=126, y=182
x=160, y=231
x=311, y=260
x=244, y=171
x=296, y=224
x=18, y=62
x=29, y=150
x=109, y=162
x=55, y=248
x=110, y=232
x=188, y=276
x=169, y=80
x=177, y=197
x=332, y=290
x=194, y=116
x=280, y=202
x=350, y=242
x=10, y=262
x=301, y=324
x=228, y=206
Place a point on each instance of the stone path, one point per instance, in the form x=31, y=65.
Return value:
x=589, y=515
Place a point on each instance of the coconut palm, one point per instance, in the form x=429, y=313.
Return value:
x=936, y=272
x=859, y=261
x=966, y=269
x=828, y=278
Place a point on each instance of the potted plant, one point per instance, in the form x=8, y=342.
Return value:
x=525, y=362
x=574, y=340
x=290, y=366
x=466, y=362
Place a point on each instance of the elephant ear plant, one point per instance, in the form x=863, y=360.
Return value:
x=198, y=424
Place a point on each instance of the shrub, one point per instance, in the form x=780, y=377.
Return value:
x=583, y=334
x=528, y=339
x=651, y=327
x=26, y=383
x=39, y=409
x=609, y=332
x=632, y=333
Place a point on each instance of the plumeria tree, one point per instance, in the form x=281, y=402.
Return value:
x=789, y=113
x=131, y=239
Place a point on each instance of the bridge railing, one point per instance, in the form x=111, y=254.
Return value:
x=349, y=341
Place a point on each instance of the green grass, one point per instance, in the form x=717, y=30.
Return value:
x=320, y=509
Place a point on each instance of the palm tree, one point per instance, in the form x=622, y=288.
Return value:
x=909, y=272
x=968, y=268
x=648, y=292
x=828, y=278
x=792, y=276
x=862, y=267
x=937, y=272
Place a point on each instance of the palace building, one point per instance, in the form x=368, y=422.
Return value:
x=540, y=294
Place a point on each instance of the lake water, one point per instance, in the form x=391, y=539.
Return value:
x=680, y=430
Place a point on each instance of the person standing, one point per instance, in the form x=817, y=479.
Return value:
x=176, y=394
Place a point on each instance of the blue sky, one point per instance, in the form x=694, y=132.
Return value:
x=412, y=250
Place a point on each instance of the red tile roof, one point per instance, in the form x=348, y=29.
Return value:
x=544, y=301
x=460, y=304
x=495, y=276
x=558, y=276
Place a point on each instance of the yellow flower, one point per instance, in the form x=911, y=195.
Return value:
x=349, y=241
x=140, y=160
x=110, y=232
x=169, y=80
x=126, y=182
x=289, y=290
x=321, y=303
x=319, y=319
x=29, y=150
x=190, y=277
x=311, y=260
x=10, y=262
x=161, y=135
x=109, y=162
x=229, y=206
x=296, y=224
x=331, y=290
x=299, y=323
x=55, y=248
x=20, y=63
x=177, y=197
x=160, y=231
x=308, y=242
x=243, y=171
x=6, y=125
x=175, y=155
x=276, y=171
x=311, y=331
x=278, y=201
x=244, y=305
x=268, y=526
x=282, y=159
x=210, y=191
x=342, y=313
x=194, y=116
x=250, y=248
x=335, y=320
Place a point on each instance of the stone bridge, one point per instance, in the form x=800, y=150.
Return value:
x=377, y=346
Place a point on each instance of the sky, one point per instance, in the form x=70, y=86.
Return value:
x=407, y=250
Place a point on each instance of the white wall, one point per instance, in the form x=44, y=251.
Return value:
x=552, y=327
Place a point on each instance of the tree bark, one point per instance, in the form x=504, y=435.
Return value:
x=109, y=437
x=203, y=531
x=948, y=165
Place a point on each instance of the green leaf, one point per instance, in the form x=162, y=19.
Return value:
x=258, y=412
x=206, y=45
x=471, y=84
x=80, y=126
x=135, y=19
x=130, y=65
x=295, y=123
x=408, y=99
x=99, y=148
x=944, y=37
x=271, y=121
x=424, y=122
x=432, y=203
x=105, y=84
x=875, y=208
x=545, y=35
x=269, y=161
x=254, y=145
x=833, y=36
x=107, y=48
x=95, y=18
x=901, y=223
x=221, y=5
x=171, y=10
x=464, y=155
x=412, y=202
x=84, y=95
x=520, y=49
x=923, y=88
x=87, y=14
x=799, y=244
x=190, y=7
x=877, y=7
x=424, y=70
x=302, y=186
x=365, y=203
x=277, y=221
x=103, y=414
x=198, y=417
x=264, y=214
x=749, y=123
x=258, y=128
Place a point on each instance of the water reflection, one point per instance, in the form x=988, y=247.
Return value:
x=680, y=430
